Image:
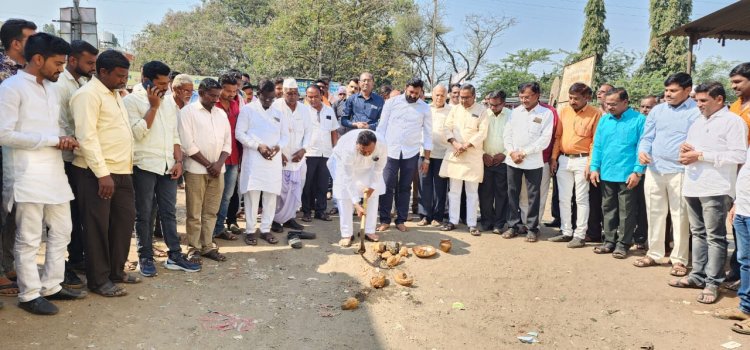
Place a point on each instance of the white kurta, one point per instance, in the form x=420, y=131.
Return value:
x=29, y=133
x=256, y=126
x=352, y=172
x=299, y=128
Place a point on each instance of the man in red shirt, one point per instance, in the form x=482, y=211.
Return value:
x=229, y=102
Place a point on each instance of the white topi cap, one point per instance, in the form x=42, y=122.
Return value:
x=290, y=83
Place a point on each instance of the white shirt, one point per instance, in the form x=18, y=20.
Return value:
x=300, y=131
x=405, y=127
x=153, y=147
x=323, y=123
x=439, y=143
x=66, y=86
x=742, y=202
x=30, y=131
x=205, y=132
x=528, y=132
x=723, y=140
x=352, y=172
x=256, y=126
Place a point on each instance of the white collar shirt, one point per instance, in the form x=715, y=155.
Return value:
x=30, y=131
x=153, y=147
x=439, y=143
x=323, y=123
x=204, y=131
x=723, y=140
x=405, y=127
x=528, y=131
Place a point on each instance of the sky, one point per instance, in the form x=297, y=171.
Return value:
x=551, y=24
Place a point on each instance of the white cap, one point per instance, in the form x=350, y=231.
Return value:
x=290, y=83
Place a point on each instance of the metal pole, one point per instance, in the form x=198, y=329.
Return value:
x=691, y=40
x=76, y=25
x=434, y=19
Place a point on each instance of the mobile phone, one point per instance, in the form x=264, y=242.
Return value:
x=148, y=84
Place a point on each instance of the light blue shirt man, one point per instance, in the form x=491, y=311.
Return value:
x=615, y=154
x=665, y=130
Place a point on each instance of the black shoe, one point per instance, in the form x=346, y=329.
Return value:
x=303, y=234
x=276, y=227
x=555, y=223
x=294, y=225
x=39, y=306
x=71, y=279
x=68, y=294
x=79, y=267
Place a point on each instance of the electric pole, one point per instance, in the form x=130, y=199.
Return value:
x=434, y=20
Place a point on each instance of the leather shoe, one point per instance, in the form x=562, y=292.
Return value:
x=39, y=306
x=294, y=225
x=555, y=223
x=68, y=294
x=276, y=227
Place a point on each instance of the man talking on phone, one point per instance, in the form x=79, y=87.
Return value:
x=157, y=164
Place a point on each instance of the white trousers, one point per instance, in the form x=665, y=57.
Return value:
x=454, y=201
x=664, y=197
x=31, y=219
x=346, y=210
x=523, y=201
x=571, y=178
x=252, y=199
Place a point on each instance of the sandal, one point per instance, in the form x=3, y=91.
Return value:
x=194, y=257
x=511, y=233
x=129, y=279
x=684, y=283
x=603, y=249
x=250, y=239
x=383, y=227
x=109, y=290
x=731, y=313
x=158, y=253
x=708, y=295
x=306, y=218
x=226, y=235
x=9, y=289
x=448, y=226
x=531, y=236
x=371, y=237
x=742, y=327
x=647, y=261
x=131, y=265
x=678, y=270
x=269, y=237
x=214, y=254
x=345, y=242
x=620, y=253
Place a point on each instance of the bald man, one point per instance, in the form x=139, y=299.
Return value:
x=433, y=188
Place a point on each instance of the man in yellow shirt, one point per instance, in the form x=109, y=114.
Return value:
x=103, y=171
x=493, y=191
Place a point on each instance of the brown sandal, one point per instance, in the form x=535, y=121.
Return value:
x=646, y=261
x=269, y=237
x=215, y=255
x=678, y=270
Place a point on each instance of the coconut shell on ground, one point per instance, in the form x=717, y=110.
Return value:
x=424, y=251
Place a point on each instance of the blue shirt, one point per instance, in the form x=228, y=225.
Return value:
x=666, y=129
x=615, y=154
x=359, y=109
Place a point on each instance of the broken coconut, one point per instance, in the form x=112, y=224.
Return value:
x=393, y=261
x=379, y=247
x=350, y=304
x=386, y=255
x=378, y=281
x=404, y=252
x=424, y=251
x=403, y=279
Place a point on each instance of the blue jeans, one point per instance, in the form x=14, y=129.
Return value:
x=230, y=181
x=742, y=237
x=397, y=174
x=433, y=191
x=707, y=217
x=147, y=184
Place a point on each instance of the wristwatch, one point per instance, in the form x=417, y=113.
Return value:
x=700, y=156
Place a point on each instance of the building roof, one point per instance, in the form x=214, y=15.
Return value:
x=730, y=22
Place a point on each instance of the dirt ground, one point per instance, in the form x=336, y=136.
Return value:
x=276, y=297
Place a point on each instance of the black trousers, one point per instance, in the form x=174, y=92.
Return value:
x=76, y=245
x=555, y=201
x=234, y=206
x=594, y=232
x=618, y=205
x=493, y=197
x=533, y=187
x=107, y=226
x=316, y=186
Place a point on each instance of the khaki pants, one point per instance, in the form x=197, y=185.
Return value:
x=202, y=199
x=664, y=197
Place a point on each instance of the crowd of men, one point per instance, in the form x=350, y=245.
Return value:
x=85, y=161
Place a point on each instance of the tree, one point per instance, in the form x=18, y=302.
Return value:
x=715, y=69
x=514, y=70
x=595, y=38
x=49, y=28
x=667, y=54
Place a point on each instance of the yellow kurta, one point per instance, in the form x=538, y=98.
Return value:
x=465, y=125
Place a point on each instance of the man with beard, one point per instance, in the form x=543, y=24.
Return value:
x=80, y=67
x=32, y=139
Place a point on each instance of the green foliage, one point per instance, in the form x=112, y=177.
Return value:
x=667, y=54
x=515, y=69
x=715, y=69
x=595, y=37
